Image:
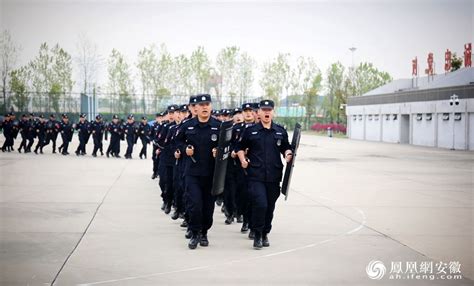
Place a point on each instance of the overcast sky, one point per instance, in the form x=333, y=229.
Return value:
x=386, y=33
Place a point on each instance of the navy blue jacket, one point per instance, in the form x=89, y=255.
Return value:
x=203, y=137
x=265, y=147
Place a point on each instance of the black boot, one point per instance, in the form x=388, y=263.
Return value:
x=229, y=220
x=194, y=241
x=204, y=242
x=265, y=241
x=245, y=227
x=168, y=208
x=188, y=234
x=240, y=219
x=175, y=215
x=257, y=241
x=184, y=224
x=251, y=234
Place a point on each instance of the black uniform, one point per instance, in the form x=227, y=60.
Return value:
x=83, y=129
x=144, y=131
x=24, y=125
x=155, y=132
x=130, y=133
x=115, y=131
x=265, y=147
x=67, y=132
x=40, y=128
x=198, y=172
x=98, y=129
x=8, y=133
x=52, y=130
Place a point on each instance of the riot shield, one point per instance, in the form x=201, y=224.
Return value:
x=223, y=153
x=295, y=142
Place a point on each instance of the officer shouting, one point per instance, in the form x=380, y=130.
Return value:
x=264, y=142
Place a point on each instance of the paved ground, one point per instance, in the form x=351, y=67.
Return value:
x=97, y=221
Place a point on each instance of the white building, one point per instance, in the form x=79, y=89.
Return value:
x=438, y=112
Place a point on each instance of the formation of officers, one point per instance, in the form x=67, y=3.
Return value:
x=32, y=127
x=185, y=140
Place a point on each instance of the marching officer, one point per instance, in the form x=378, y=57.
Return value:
x=31, y=132
x=155, y=131
x=166, y=157
x=144, y=131
x=52, y=130
x=66, y=129
x=40, y=128
x=197, y=141
x=231, y=180
x=24, y=125
x=98, y=129
x=265, y=141
x=115, y=131
x=7, y=132
x=83, y=128
x=129, y=129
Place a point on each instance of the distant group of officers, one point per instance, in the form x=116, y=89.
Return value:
x=33, y=127
x=185, y=140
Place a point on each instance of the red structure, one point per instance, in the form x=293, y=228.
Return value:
x=467, y=55
x=414, y=67
x=447, y=61
x=430, y=64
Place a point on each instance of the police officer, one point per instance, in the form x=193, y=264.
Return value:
x=98, y=129
x=7, y=132
x=197, y=142
x=66, y=129
x=167, y=155
x=242, y=189
x=115, y=131
x=130, y=133
x=52, y=129
x=83, y=128
x=31, y=132
x=178, y=167
x=40, y=128
x=154, y=132
x=231, y=179
x=24, y=124
x=265, y=141
x=144, y=131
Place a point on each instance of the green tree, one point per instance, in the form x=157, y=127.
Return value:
x=275, y=77
x=200, y=70
x=119, y=82
x=310, y=98
x=227, y=69
x=456, y=62
x=368, y=77
x=8, y=56
x=245, y=76
x=147, y=62
x=335, y=90
x=19, y=88
x=41, y=76
x=61, y=77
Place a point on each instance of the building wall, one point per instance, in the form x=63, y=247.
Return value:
x=451, y=126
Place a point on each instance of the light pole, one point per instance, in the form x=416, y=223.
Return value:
x=352, y=49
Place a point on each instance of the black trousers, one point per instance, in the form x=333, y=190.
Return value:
x=97, y=144
x=130, y=142
x=65, y=144
x=263, y=196
x=178, y=186
x=82, y=144
x=40, y=143
x=199, y=203
x=23, y=143
x=156, y=160
x=144, y=144
x=169, y=186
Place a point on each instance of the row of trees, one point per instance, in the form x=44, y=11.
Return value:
x=157, y=75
